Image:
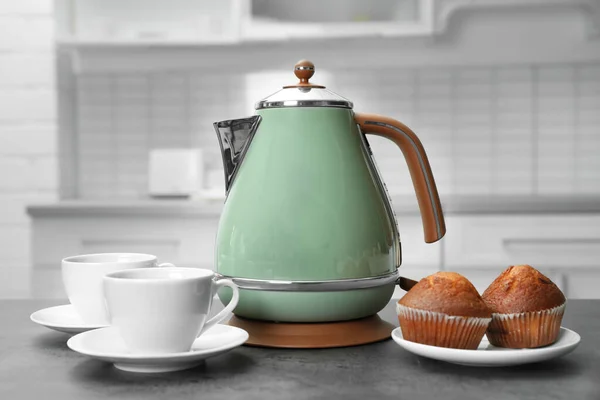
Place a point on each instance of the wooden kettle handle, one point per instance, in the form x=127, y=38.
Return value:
x=434, y=226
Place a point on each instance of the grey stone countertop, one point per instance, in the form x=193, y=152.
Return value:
x=35, y=363
x=203, y=208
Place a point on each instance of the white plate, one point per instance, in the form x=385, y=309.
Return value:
x=105, y=344
x=487, y=355
x=62, y=319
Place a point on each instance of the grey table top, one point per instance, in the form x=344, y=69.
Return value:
x=35, y=363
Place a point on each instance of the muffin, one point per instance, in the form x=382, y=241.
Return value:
x=445, y=310
x=527, y=309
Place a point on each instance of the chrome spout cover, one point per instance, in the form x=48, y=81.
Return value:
x=234, y=137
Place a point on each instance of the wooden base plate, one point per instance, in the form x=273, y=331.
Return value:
x=314, y=335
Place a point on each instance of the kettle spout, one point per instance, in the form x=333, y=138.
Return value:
x=234, y=137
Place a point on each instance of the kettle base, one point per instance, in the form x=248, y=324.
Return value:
x=314, y=335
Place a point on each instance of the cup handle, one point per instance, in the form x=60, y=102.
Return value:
x=228, y=309
x=165, y=265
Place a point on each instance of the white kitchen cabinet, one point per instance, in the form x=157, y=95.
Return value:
x=583, y=284
x=554, y=241
x=184, y=238
x=186, y=242
x=183, y=235
x=565, y=247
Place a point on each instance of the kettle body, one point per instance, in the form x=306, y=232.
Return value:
x=304, y=206
x=307, y=230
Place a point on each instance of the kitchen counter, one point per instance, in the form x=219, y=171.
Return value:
x=402, y=204
x=36, y=363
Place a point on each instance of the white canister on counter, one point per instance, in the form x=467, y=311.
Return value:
x=176, y=172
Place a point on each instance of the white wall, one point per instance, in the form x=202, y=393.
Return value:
x=505, y=102
x=28, y=172
x=488, y=130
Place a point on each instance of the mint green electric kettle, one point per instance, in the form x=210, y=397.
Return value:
x=307, y=230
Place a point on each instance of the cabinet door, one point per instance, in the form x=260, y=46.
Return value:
x=185, y=242
x=550, y=241
x=564, y=247
x=582, y=284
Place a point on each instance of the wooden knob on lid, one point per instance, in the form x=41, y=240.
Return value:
x=304, y=70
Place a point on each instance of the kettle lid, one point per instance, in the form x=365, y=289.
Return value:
x=304, y=93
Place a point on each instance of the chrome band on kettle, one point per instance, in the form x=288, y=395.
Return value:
x=335, y=285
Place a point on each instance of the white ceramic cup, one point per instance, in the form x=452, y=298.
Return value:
x=163, y=310
x=82, y=277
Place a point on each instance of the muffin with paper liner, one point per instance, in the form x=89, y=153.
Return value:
x=445, y=310
x=527, y=309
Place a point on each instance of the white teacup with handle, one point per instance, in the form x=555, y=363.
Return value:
x=82, y=278
x=163, y=310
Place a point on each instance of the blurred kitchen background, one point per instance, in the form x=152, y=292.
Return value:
x=107, y=144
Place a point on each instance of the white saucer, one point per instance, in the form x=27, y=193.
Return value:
x=62, y=319
x=105, y=344
x=487, y=355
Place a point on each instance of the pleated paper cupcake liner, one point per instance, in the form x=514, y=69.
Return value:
x=439, y=329
x=526, y=330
